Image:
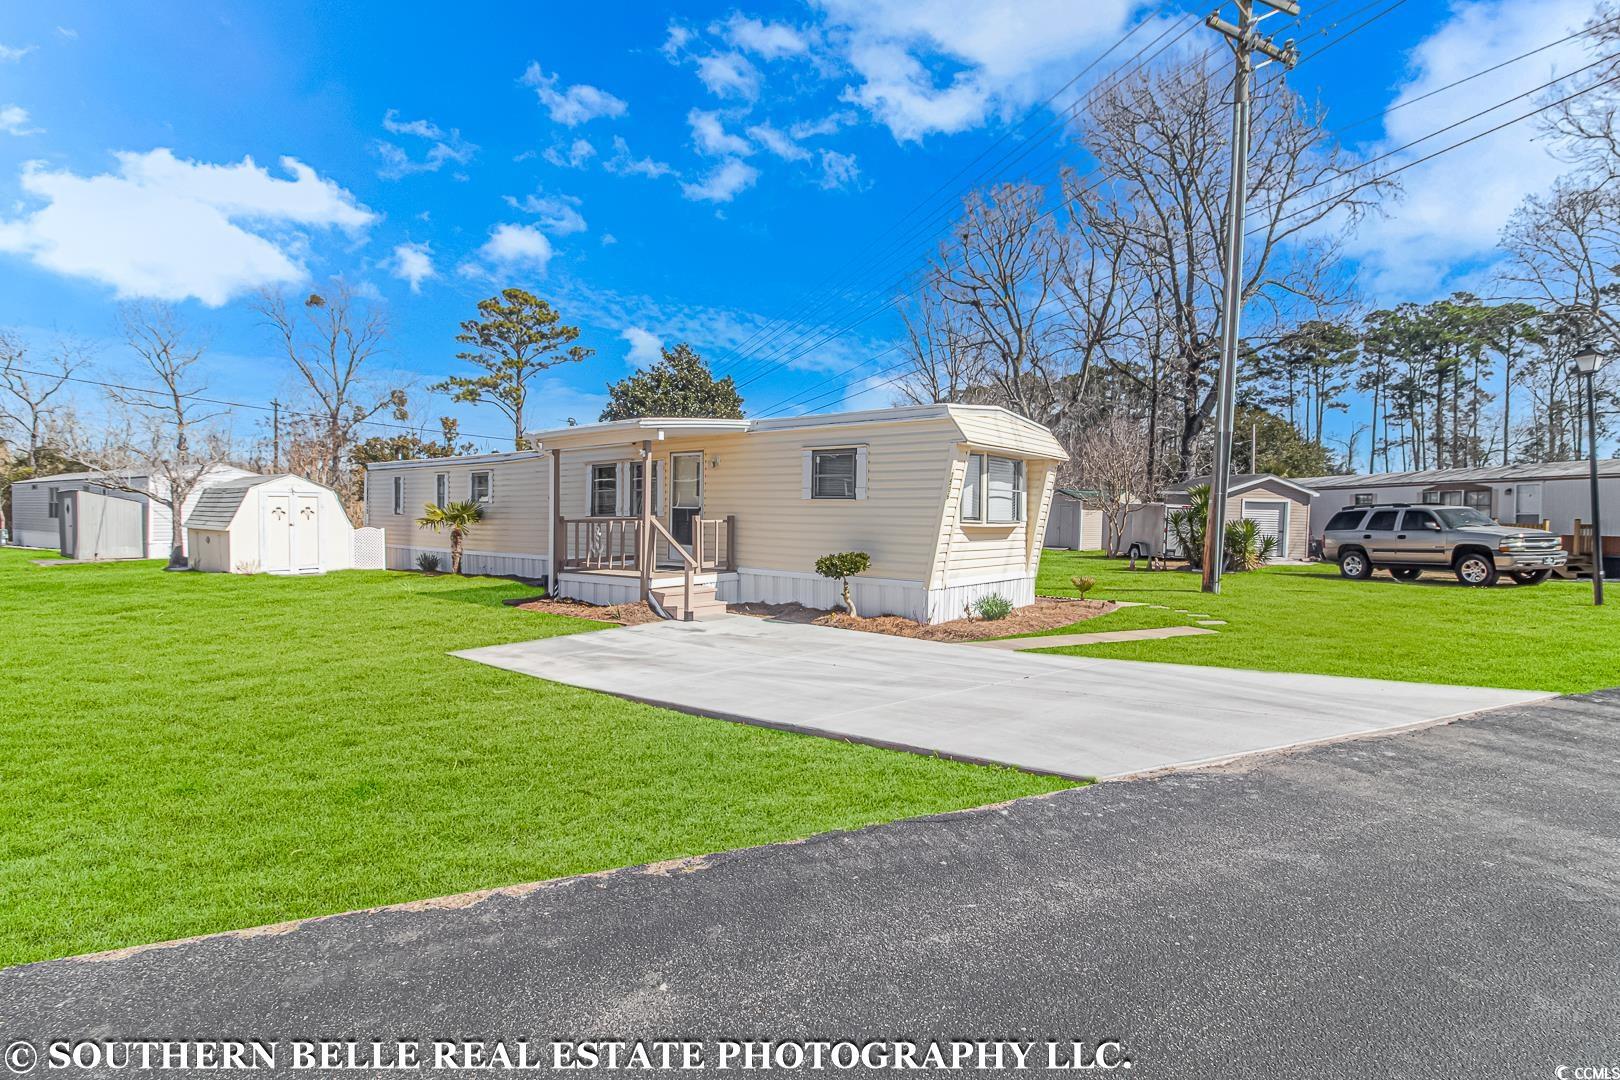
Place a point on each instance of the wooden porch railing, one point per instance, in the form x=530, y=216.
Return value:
x=601, y=543
x=689, y=564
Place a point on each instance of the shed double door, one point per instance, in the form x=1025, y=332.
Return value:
x=292, y=533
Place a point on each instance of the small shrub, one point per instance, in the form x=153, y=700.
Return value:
x=1083, y=585
x=841, y=566
x=993, y=608
x=428, y=562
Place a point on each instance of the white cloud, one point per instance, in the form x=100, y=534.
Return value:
x=169, y=229
x=9, y=52
x=68, y=32
x=14, y=121
x=729, y=75
x=778, y=142
x=512, y=246
x=806, y=129
x=724, y=183
x=623, y=163
x=1454, y=207
x=927, y=66
x=574, y=156
x=447, y=147
x=838, y=170
x=608, y=239
x=413, y=263
x=571, y=105
x=645, y=347
x=558, y=214
x=710, y=136
x=676, y=38
x=769, y=41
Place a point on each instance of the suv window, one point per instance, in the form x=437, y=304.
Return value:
x=1345, y=519
x=1419, y=521
x=1381, y=521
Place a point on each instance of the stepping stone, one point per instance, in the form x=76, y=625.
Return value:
x=1211, y=622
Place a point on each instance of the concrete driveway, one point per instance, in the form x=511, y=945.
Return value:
x=1069, y=716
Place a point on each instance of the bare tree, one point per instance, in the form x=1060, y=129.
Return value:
x=1110, y=457
x=1586, y=128
x=1160, y=138
x=946, y=360
x=330, y=343
x=34, y=405
x=170, y=439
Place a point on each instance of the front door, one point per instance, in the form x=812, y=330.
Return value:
x=685, y=494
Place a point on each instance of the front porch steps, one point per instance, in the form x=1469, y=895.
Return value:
x=705, y=605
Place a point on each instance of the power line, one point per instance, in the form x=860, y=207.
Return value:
x=792, y=399
x=276, y=409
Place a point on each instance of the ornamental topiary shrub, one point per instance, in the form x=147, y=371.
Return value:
x=841, y=567
x=993, y=608
x=1083, y=585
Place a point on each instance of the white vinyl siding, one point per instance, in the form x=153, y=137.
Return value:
x=519, y=524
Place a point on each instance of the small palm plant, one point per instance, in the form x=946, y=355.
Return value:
x=459, y=518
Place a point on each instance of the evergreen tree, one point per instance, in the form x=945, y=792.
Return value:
x=680, y=384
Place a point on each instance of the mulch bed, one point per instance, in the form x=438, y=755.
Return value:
x=623, y=614
x=1047, y=613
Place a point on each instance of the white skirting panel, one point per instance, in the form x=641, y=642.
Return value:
x=599, y=588
x=951, y=602
x=492, y=563
x=872, y=597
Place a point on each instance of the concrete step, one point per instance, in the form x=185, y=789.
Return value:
x=704, y=602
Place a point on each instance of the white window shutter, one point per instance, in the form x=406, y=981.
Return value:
x=809, y=456
x=491, y=497
x=860, y=472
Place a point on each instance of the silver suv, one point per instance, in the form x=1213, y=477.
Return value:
x=1407, y=540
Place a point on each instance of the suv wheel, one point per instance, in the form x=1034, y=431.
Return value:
x=1353, y=564
x=1406, y=573
x=1530, y=577
x=1477, y=569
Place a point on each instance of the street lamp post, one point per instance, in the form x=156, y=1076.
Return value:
x=1586, y=365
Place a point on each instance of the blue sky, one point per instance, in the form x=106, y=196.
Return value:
x=658, y=180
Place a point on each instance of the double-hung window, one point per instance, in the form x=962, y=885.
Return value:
x=399, y=495
x=481, y=487
x=993, y=490
x=53, y=505
x=604, y=490
x=637, y=470
x=441, y=490
x=832, y=473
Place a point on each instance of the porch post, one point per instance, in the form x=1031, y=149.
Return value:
x=644, y=543
x=559, y=535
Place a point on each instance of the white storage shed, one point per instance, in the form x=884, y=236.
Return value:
x=270, y=525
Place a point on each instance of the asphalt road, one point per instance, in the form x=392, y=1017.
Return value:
x=1439, y=903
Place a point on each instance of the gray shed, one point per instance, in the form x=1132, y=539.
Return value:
x=1278, y=506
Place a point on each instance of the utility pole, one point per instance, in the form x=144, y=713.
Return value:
x=1246, y=40
x=275, y=436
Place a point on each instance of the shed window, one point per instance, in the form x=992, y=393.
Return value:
x=993, y=490
x=481, y=487
x=53, y=502
x=441, y=490
x=832, y=474
x=604, y=490
x=399, y=495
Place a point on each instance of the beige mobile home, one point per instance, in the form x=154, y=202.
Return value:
x=950, y=502
x=513, y=539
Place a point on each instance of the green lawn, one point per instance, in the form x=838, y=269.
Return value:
x=186, y=753
x=1307, y=618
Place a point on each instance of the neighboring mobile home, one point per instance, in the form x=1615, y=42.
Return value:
x=950, y=502
x=270, y=524
x=1554, y=492
x=37, y=518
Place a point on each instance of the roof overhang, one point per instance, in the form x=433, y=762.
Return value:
x=619, y=432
